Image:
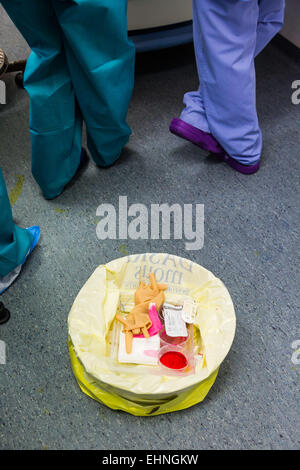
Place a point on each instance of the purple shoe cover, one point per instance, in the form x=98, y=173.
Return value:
x=245, y=169
x=196, y=136
x=208, y=142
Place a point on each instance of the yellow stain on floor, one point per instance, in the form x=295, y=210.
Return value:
x=123, y=250
x=16, y=191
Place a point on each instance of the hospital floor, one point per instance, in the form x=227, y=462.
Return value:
x=251, y=243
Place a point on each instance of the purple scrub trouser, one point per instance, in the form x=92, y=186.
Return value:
x=228, y=34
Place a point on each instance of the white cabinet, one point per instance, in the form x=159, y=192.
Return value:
x=143, y=14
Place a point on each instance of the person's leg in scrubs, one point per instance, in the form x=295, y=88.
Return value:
x=16, y=243
x=81, y=67
x=221, y=115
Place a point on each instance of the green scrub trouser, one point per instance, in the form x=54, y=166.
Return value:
x=15, y=242
x=81, y=68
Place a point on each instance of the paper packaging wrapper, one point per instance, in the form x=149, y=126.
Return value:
x=92, y=314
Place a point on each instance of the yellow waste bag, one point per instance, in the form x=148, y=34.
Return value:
x=92, y=314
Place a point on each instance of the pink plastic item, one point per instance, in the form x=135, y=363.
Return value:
x=156, y=323
x=151, y=353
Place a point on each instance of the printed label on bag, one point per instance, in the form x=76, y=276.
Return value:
x=189, y=310
x=174, y=324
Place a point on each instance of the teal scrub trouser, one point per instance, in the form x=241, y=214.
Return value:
x=81, y=68
x=15, y=242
